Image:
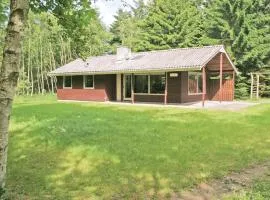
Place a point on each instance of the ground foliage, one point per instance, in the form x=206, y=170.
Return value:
x=97, y=151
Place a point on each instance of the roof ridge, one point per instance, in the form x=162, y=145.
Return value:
x=175, y=49
x=161, y=50
x=106, y=55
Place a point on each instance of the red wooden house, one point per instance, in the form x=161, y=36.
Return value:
x=165, y=76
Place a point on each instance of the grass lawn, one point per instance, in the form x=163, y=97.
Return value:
x=97, y=151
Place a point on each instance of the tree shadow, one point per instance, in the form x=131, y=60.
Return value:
x=73, y=151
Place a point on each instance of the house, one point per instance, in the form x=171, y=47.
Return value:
x=165, y=76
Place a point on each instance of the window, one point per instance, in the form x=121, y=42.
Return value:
x=194, y=82
x=88, y=81
x=149, y=84
x=67, y=82
x=141, y=84
x=157, y=84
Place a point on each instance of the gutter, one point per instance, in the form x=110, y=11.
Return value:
x=195, y=68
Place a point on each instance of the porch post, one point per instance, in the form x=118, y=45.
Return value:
x=258, y=86
x=220, y=79
x=166, y=88
x=251, y=86
x=233, y=84
x=132, y=89
x=204, y=86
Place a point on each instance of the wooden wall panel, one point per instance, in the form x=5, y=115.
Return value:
x=82, y=94
x=213, y=65
x=104, y=89
x=149, y=98
x=185, y=97
x=213, y=88
x=174, y=88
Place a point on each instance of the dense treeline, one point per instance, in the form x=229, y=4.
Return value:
x=71, y=30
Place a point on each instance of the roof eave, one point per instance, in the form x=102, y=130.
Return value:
x=193, y=68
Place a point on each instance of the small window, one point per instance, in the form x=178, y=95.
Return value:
x=141, y=83
x=67, y=82
x=194, y=83
x=157, y=84
x=89, y=81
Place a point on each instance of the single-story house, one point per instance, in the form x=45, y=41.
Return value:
x=165, y=76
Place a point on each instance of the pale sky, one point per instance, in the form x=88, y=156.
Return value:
x=108, y=8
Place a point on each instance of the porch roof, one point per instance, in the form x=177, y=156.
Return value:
x=182, y=59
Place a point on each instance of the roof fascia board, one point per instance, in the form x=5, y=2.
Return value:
x=126, y=72
x=233, y=66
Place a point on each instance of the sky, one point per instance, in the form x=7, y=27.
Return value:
x=108, y=9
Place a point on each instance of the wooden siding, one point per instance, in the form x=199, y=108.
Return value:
x=185, y=97
x=149, y=98
x=174, y=88
x=213, y=64
x=104, y=89
x=81, y=94
x=213, y=88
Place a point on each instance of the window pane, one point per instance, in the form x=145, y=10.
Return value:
x=89, y=81
x=67, y=81
x=192, y=83
x=141, y=83
x=200, y=83
x=157, y=84
x=127, y=86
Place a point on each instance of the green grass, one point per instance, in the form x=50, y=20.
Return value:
x=97, y=151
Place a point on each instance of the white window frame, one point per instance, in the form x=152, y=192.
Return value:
x=84, y=87
x=64, y=77
x=149, y=84
x=198, y=93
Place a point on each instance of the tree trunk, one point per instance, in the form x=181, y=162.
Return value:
x=29, y=63
x=9, y=75
x=41, y=67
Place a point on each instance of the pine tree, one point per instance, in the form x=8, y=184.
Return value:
x=171, y=24
x=126, y=29
x=243, y=27
x=118, y=26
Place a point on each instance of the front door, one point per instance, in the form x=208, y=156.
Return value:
x=127, y=86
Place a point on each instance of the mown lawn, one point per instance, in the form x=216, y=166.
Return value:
x=97, y=151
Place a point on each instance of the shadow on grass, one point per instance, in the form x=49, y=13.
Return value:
x=73, y=151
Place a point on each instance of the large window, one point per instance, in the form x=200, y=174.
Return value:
x=67, y=82
x=88, y=81
x=149, y=84
x=194, y=82
x=157, y=84
x=141, y=83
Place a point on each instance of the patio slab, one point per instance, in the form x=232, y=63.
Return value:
x=226, y=105
x=216, y=105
